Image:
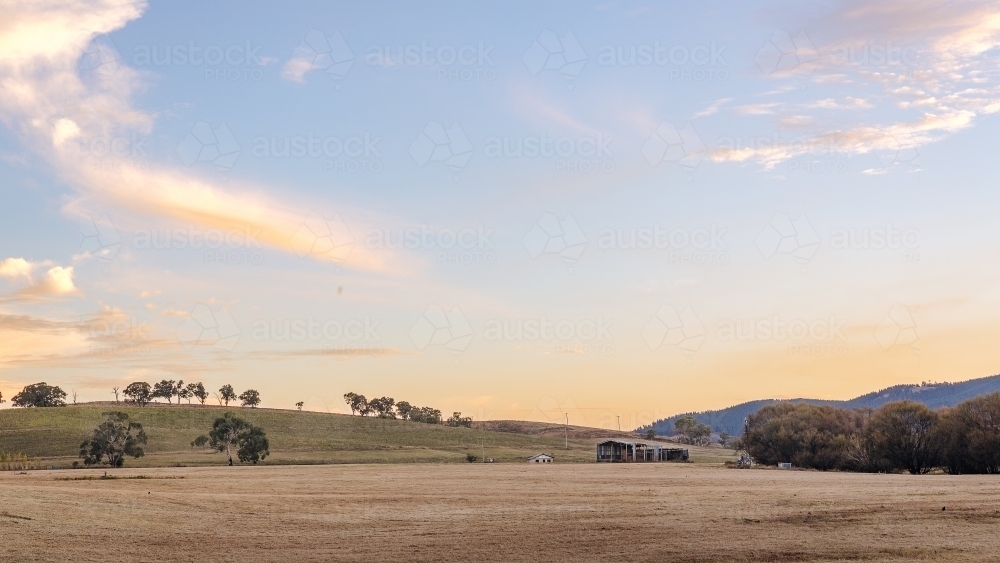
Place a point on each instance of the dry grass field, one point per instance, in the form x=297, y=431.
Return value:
x=495, y=512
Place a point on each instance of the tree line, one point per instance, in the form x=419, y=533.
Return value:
x=387, y=407
x=138, y=393
x=142, y=393
x=899, y=436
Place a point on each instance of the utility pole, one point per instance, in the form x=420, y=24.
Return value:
x=619, y=417
x=567, y=431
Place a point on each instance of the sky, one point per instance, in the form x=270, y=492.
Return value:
x=613, y=212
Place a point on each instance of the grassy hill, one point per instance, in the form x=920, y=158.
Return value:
x=53, y=436
x=934, y=395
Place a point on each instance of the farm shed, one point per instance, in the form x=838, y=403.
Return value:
x=540, y=458
x=625, y=451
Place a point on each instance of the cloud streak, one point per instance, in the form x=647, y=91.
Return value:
x=44, y=98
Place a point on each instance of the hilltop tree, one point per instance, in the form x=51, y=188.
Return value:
x=113, y=390
x=403, y=409
x=2, y=401
x=40, y=395
x=138, y=393
x=383, y=407
x=300, y=404
x=425, y=414
x=250, y=398
x=357, y=403
x=197, y=390
x=181, y=392
x=115, y=439
x=164, y=389
x=458, y=420
x=231, y=432
x=226, y=394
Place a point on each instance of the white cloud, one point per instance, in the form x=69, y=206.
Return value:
x=15, y=268
x=57, y=280
x=934, y=66
x=45, y=100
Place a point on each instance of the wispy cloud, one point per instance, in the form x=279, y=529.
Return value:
x=935, y=63
x=712, y=108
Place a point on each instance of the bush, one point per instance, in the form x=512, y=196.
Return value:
x=904, y=436
x=970, y=436
x=803, y=435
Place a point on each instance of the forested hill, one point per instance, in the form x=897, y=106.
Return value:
x=934, y=395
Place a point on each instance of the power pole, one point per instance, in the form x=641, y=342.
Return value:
x=619, y=417
x=567, y=431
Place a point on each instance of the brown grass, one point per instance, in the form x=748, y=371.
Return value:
x=496, y=512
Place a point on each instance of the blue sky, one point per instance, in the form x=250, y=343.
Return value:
x=515, y=211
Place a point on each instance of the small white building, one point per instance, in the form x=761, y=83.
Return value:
x=540, y=458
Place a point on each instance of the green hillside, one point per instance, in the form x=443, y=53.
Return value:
x=53, y=436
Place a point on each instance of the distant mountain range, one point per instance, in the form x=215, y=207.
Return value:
x=934, y=395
